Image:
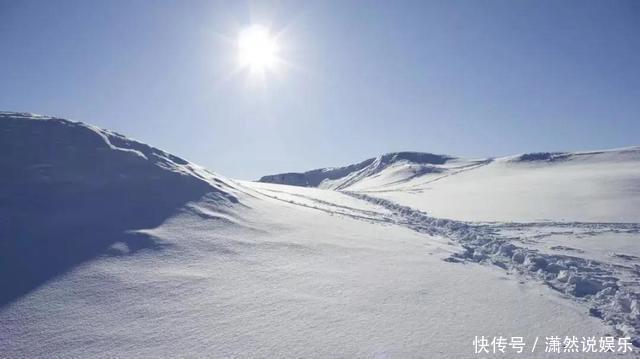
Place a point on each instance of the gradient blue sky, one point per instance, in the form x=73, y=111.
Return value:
x=469, y=78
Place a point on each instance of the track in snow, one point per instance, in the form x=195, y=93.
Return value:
x=610, y=290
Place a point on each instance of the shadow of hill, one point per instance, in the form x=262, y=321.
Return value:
x=67, y=194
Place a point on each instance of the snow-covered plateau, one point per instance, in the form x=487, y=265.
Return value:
x=113, y=248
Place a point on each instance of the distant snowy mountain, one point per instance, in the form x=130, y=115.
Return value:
x=415, y=163
x=599, y=186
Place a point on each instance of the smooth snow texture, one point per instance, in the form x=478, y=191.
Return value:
x=602, y=186
x=291, y=281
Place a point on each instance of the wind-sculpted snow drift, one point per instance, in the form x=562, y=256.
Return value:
x=69, y=191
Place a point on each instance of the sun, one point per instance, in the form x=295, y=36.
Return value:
x=257, y=49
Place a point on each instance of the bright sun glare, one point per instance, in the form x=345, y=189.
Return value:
x=257, y=49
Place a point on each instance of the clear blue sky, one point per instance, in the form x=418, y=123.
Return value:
x=470, y=78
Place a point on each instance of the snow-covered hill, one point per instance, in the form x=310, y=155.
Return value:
x=112, y=248
x=598, y=186
x=70, y=191
x=414, y=164
x=570, y=220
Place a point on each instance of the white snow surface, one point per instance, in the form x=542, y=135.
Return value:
x=597, y=186
x=601, y=186
x=158, y=257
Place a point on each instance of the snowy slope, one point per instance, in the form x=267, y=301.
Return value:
x=69, y=191
x=567, y=220
x=111, y=248
x=292, y=281
x=600, y=186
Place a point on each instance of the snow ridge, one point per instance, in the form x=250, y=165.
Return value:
x=342, y=177
x=69, y=191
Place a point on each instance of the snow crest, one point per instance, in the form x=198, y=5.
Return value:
x=343, y=177
x=70, y=191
